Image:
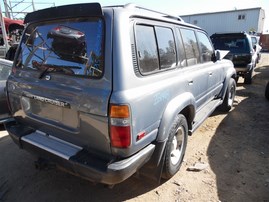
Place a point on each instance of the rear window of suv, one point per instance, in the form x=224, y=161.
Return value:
x=66, y=47
x=233, y=43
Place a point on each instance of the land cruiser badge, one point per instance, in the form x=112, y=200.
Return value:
x=47, y=100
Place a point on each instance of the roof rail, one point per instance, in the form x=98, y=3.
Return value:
x=174, y=17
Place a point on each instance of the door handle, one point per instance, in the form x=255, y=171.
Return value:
x=210, y=73
x=190, y=82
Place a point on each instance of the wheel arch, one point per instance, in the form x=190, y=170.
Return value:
x=182, y=104
x=231, y=73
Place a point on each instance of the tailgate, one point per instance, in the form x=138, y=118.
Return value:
x=59, y=86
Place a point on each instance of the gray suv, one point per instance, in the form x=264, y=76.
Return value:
x=104, y=92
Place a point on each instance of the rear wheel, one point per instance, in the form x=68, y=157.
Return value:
x=248, y=77
x=175, y=147
x=229, y=97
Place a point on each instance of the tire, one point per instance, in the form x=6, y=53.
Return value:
x=175, y=147
x=236, y=79
x=248, y=77
x=267, y=91
x=229, y=97
x=258, y=58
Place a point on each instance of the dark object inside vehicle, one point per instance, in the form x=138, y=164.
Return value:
x=68, y=43
x=11, y=52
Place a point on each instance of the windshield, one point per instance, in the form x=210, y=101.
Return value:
x=233, y=44
x=68, y=47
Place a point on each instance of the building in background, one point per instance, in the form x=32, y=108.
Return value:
x=248, y=20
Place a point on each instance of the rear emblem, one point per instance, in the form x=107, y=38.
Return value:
x=47, y=77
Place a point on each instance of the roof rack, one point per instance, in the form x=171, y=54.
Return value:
x=174, y=17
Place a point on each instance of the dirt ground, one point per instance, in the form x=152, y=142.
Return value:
x=235, y=147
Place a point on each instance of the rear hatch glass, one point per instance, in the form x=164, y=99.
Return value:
x=73, y=48
x=234, y=44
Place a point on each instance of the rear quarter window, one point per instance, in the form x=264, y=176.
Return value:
x=147, y=49
x=72, y=47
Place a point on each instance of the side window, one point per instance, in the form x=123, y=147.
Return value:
x=166, y=45
x=156, y=48
x=191, y=46
x=205, y=47
x=147, y=49
x=181, y=51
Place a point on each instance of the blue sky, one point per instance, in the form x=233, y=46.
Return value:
x=176, y=7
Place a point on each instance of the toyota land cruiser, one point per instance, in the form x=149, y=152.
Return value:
x=104, y=92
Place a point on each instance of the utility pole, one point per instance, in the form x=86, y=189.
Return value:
x=4, y=34
x=6, y=9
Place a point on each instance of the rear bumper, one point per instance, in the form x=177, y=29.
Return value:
x=77, y=160
x=247, y=68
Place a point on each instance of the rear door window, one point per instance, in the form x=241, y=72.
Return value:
x=155, y=48
x=65, y=47
x=166, y=44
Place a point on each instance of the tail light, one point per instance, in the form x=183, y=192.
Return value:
x=120, y=126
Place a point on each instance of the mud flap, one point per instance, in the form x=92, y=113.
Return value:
x=151, y=172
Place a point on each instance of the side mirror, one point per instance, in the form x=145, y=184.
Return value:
x=254, y=47
x=216, y=56
x=219, y=55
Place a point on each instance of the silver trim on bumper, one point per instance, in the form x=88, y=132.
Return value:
x=52, y=144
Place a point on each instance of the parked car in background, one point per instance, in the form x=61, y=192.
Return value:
x=5, y=70
x=104, y=91
x=241, y=52
x=264, y=42
x=256, y=46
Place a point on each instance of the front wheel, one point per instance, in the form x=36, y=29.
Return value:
x=175, y=147
x=229, y=97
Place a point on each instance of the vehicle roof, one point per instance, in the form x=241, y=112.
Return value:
x=138, y=11
x=95, y=9
x=231, y=34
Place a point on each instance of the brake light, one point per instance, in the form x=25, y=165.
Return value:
x=120, y=126
x=57, y=29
